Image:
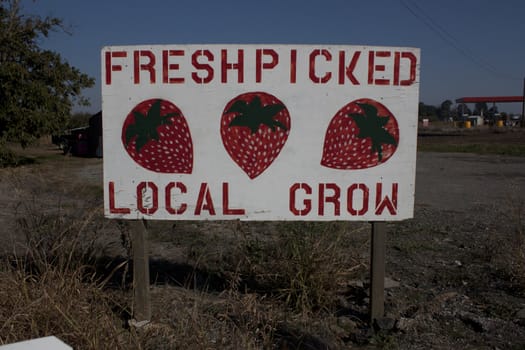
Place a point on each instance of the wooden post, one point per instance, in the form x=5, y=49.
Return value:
x=141, y=295
x=377, y=271
x=523, y=106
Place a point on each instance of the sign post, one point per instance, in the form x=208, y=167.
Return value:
x=523, y=106
x=141, y=294
x=377, y=271
x=260, y=132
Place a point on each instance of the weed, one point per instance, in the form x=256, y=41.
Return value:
x=56, y=302
x=64, y=239
x=8, y=158
x=478, y=148
x=203, y=321
x=303, y=264
x=383, y=340
x=49, y=283
x=272, y=275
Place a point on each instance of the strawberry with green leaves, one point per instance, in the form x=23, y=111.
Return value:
x=362, y=134
x=156, y=136
x=254, y=128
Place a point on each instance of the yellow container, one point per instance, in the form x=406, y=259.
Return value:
x=467, y=124
x=499, y=123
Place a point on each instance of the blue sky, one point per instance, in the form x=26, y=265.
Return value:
x=468, y=47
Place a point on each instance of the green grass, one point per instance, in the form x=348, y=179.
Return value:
x=9, y=158
x=478, y=148
x=13, y=155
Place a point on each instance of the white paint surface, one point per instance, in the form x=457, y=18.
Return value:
x=311, y=106
x=46, y=343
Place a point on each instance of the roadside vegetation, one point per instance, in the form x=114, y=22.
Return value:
x=481, y=140
x=477, y=148
x=226, y=285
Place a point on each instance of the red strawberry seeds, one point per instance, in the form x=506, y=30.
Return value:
x=254, y=128
x=362, y=134
x=156, y=136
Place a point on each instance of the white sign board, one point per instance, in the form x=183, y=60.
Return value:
x=260, y=132
x=46, y=343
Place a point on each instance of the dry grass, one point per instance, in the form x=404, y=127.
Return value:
x=60, y=303
x=310, y=264
x=52, y=287
x=277, y=281
x=302, y=264
x=49, y=283
x=186, y=318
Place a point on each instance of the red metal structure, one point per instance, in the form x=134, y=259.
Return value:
x=498, y=99
x=488, y=99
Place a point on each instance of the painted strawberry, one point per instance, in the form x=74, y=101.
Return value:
x=156, y=136
x=361, y=135
x=254, y=129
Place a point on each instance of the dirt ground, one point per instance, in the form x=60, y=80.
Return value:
x=456, y=272
x=458, y=257
x=454, y=257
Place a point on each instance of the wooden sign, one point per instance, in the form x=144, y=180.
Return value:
x=260, y=132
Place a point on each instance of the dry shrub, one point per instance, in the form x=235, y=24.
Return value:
x=279, y=281
x=60, y=225
x=49, y=287
x=312, y=262
x=48, y=284
x=304, y=264
x=196, y=320
x=60, y=303
x=8, y=158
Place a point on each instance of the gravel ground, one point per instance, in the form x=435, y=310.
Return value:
x=464, y=182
